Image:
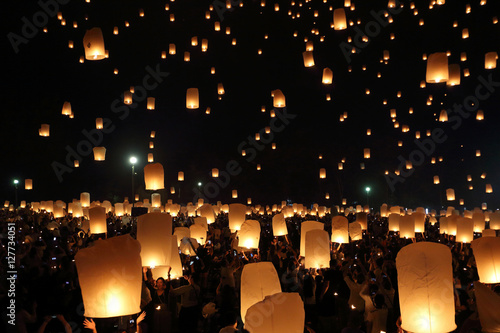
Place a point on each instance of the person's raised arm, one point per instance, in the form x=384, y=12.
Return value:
x=139, y=320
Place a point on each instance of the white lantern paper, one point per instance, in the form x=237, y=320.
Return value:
x=153, y=232
x=154, y=177
x=199, y=233
x=93, y=43
x=258, y=280
x=340, y=230
x=487, y=255
x=279, y=225
x=394, y=221
x=495, y=220
x=407, y=226
x=362, y=219
x=181, y=232
x=110, y=277
x=488, y=303
x=237, y=215
x=478, y=220
x=317, y=249
x=425, y=280
x=304, y=228
x=97, y=220
x=207, y=211
x=249, y=234
x=465, y=230
x=355, y=231
x=419, y=219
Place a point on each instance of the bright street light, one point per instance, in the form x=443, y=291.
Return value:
x=133, y=160
x=367, y=189
x=16, y=181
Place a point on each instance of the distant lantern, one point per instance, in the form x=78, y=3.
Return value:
x=204, y=45
x=340, y=230
x=220, y=89
x=217, y=26
x=192, y=98
x=66, y=109
x=454, y=75
x=236, y=216
x=339, y=19
x=279, y=225
x=150, y=158
x=105, y=297
x=234, y=194
x=443, y=116
x=215, y=172
x=490, y=60
x=156, y=199
x=487, y=255
x=366, y=153
x=194, y=41
x=489, y=189
x=425, y=281
x=93, y=43
x=97, y=220
x=394, y=219
x=127, y=97
x=317, y=251
x=450, y=194
x=437, y=68
x=308, y=58
x=480, y=115
x=180, y=176
x=278, y=99
x=98, y=123
x=407, y=226
x=44, y=130
x=258, y=280
x=151, y=103
x=187, y=56
x=465, y=33
x=171, y=49
x=28, y=184
x=327, y=76
x=436, y=180
x=154, y=177
x=249, y=234
x=99, y=153
x=322, y=173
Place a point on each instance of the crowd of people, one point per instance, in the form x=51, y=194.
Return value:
x=358, y=293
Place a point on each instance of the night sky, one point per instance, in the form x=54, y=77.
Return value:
x=45, y=72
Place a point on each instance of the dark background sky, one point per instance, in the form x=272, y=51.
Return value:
x=45, y=73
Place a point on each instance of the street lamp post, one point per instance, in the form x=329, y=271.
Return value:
x=368, y=189
x=16, y=182
x=133, y=161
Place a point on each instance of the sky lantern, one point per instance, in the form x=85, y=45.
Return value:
x=153, y=232
x=327, y=76
x=220, y=89
x=85, y=199
x=44, y=130
x=180, y=176
x=156, y=199
x=215, y=172
x=495, y=220
x=437, y=68
x=171, y=49
x=249, y=234
x=66, y=109
x=279, y=225
x=465, y=230
x=452, y=225
x=419, y=219
x=127, y=97
x=322, y=173
x=450, y=194
x=394, y=219
x=340, y=230
x=425, y=281
x=97, y=220
x=280, y=312
x=487, y=255
x=28, y=184
x=110, y=277
x=366, y=153
x=407, y=226
x=151, y=103
x=490, y=60
x=489, y=189
x=258, y=280
x=304, y=228
x=278, y=99
x=154, y=177
x=199, y=233
x=237, y=215
x=181, y=232
x=436, y=180
x=308, y=58
x=119, y=209
x=93, y=43
x=355, y=231
x=443, y=116
x=488, y=303
x=478, y=220
x=98, y=123
x=234, y=194
x=150, y=158
x=454, y=75
x=99, y=153
x=362, y=218
x=192, y=98
x=339, y=19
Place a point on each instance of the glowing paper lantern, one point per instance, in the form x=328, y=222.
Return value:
x=490, y=60
x=85, y=199
x=237, y=214
x=110, y=277
x=215, y=172
x=28, y=184
x=249, y=234
x=304, y=228
x=99, y=153
x=488, y=303
x=317, y=249
x=151, y=103
x=281, y=312
x=199, y=233
x=322, y=173
x=394, y=221
x=425, y=280
x=366, y=153
x=279, y=225
x=156, y=199
x=181, y=232
x=153, y=176
x=340, y=230
x=407, y=226
x=339, y=19
x=465, y=230
x=495, y=220
x=207, y=212
x=355, y=231
x=278, y=99
x=308, y=58
x=419, y=219
x=44, y=130
x=192, y=98
x=443, y=116
x=153, y=232
x=97, y=220
x=487, y=255
x=66, y=109
x=478, y=221
x=450, y=194
x=362, y=218
x=180, y=176
x=258, y=280
x=93, y=43
x=327, y=76
x=437, y=68
x=453, y=75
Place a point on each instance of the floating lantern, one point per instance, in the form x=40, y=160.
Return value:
x=180, y=176
x=154, y=177
x=151, y=103
x=279, y=225
x=454, y=75
x=317, y=249
x=199, y=233
x=322, y=173
x=66, y=109
x=99, y=153
x=340, y=230
x=490, y=60
x=215, y=172
x=487, y=255
x=93, y=43
x=339, y=19
x=450, y=194
x=192, y=98
x=98, y=123
x=355, y=231
x=97, y=220
x=153, y=233
x=437, y=68
x=236, y=217
x=465, y=230
x=28, y=184
x=104, y=293
x=425, y=281
x=278, y=99
x=249, y=234
x=308, y=58
x=407, y=226
x=44, y=130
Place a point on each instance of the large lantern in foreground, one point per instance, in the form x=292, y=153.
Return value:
x=110, y=277
x=153, y=176
x=425, y=280
x=487, y=255
x=93, y=43
x=281, y=312
x=258, y=280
